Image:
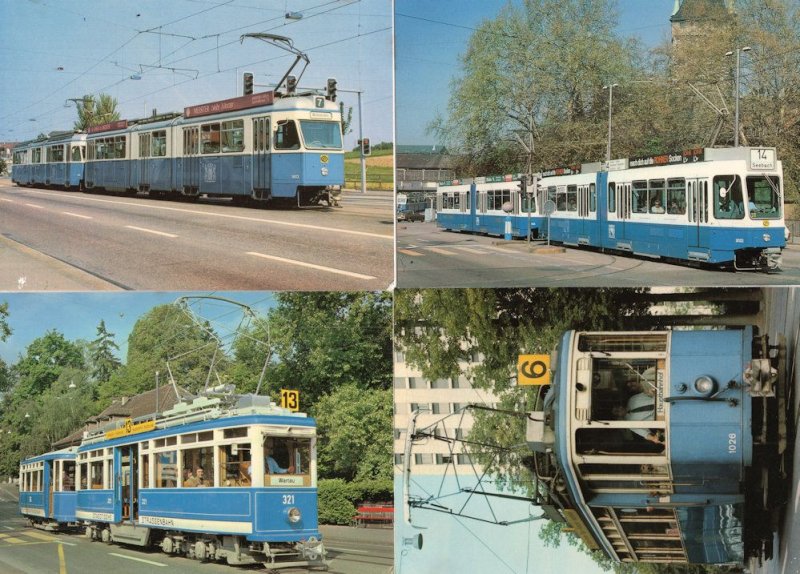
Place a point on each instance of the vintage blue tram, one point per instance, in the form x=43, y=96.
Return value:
x=722, y=207
x=47, y=495
x=224, y=477
x=661, y=446
x=53, y=161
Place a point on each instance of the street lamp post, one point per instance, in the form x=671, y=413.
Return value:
x=610, y=88
x=736, y=117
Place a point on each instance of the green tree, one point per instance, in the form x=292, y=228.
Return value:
x=95, y=112
x=5, y=330
x=43, y=362
x=355, y=433
x=165, y=336
x=318, y=342
x=102, y=359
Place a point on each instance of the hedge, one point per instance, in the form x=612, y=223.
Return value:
x=339, y=500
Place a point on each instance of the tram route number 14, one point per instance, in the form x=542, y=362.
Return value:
x=290, y=399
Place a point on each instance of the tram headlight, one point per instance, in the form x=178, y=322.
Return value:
x=766, y=237
x=324, y=171
x=293, y=515
x=705, y=385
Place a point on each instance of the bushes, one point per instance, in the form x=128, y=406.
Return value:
x=338, y=500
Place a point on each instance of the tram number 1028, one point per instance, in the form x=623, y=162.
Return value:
x=732, y=443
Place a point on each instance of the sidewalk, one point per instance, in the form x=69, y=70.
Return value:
x=25, y=269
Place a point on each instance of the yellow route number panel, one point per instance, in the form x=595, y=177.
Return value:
x=533, y=370
x=290, y=399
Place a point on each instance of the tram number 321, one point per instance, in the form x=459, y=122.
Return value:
x=732, y=443
x=288, y=499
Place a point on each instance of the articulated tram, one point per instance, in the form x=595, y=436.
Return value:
x=227, y=478
x=663, y=446
x=722, y=207
x=257, y=147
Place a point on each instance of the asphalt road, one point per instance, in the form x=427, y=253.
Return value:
x=430, y=257
x=67, y=240
x=31, y=551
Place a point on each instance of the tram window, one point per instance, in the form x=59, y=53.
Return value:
x=191, y=145
x=764, y=197
x=76, y=153
x=145, y=469
x=235, y=465
x=84, y=475
x=676, y=196
x=144, y=145
x=286, y=136
x=612, y=197
x=205, y=436
x=209, y=138
x=238, y=432
x=166, y=469
x=37, y=155
x=561, y=198
x=160, y=143
x=728, y=199
x=55, y=154
x=572, y=198
x=68, y=475
x=232, y=136
x=615, y=441
x=119, y=147
x=96, y=474
x=321, y=135
x=197, y=467
x=592, y=198
x=656, y=196
x=286, y=456
x=639, y=197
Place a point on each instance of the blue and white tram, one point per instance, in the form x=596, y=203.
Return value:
x=55, y=161
x=258, y=146
x=229, y=479
x=651, y=444
x=47, y=496
x=716, y=206
x=492, y=205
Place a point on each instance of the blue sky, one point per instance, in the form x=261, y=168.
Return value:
x=53, y=50
x=77, y=315
x=430, y=37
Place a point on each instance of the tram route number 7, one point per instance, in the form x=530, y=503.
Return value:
x=533, y=370
x=290, y=399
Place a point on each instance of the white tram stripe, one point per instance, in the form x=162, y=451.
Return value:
x=311, y=266
x=76, y=215
x=34, y=205
x=153, y=231
x=137, y=559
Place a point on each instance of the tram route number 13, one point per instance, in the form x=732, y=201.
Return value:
x=290, y=399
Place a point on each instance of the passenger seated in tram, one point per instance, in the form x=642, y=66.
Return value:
x=657, y=207
x=196, y=480
x=274, y=468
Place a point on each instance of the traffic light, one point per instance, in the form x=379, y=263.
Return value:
x=523, y=184
x=331, y=92
x=365, y=146
x=248, y=84
x=291, y=85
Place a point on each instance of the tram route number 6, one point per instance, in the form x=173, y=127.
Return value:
x=290, y=399
x=533, y=370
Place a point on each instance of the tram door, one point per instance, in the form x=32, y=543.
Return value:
x=144, y=154
x=261, y=158
x=696, y=211
x=126, y=489
x=623, y=209
x=49, y=481
x=191, y=160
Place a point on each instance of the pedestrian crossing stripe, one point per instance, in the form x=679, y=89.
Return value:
x=25, y=538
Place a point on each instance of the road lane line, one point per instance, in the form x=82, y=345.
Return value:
x=440, y=251
x=136, y=559
x=41, y=536
x=76, y=215
x=228, y=216
x=311, y=266
x=412, y=253
x=62, y=562
x=14, y=540
x=34, y=205
x=351, y=550
x=153, y=231
x=7, y=200
x=468, y=249
x=8, y=527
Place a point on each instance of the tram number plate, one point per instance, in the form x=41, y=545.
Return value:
x=732, y=443
x=762, y=158
x=290, y=399
x=288, y=499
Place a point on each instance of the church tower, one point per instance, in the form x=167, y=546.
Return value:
x=699, y=17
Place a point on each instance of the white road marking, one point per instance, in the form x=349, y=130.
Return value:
x=67, y=543
x=227, y=215
x=8, y=527
x=153, y=231
x=440, y=251
x=136, y=559
x=468, y=249
x=7, y=200
x=76, y=215
x=311, y=266
x=34, y=205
